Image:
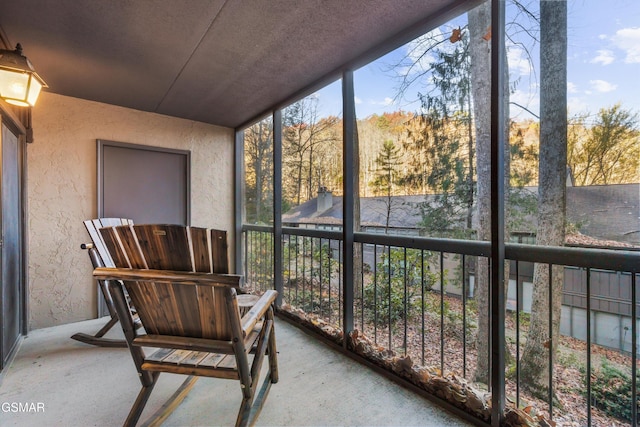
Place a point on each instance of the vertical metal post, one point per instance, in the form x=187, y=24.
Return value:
x=238, y=206
x=348, y=133
x=497, y=213
x=277, y=205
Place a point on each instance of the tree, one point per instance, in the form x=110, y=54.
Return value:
x=387, y=176
x=534, y=371
x=303, y=131
x=442, y=149
x=608, y=152
x=480, y=52
x=258, y=148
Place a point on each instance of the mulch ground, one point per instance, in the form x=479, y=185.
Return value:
x=423, y=341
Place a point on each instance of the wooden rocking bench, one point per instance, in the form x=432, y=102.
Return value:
x=190, y=315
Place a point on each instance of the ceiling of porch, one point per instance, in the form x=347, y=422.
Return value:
x=215, y=61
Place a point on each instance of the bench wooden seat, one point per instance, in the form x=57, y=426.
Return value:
x=190, y=314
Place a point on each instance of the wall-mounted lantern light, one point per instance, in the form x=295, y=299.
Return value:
x=19, y=82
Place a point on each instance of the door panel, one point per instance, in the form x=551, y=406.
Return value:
x=146, y=184
x=12, y=263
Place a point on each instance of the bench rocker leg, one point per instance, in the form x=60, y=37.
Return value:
x=98, y=339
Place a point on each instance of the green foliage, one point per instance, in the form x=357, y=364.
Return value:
x=443, y=149
x=388, y=164
x=522, y=209
x=611, y=391
x=259, y=260
x=523, y=158
x=397, y=292
x=607, y=152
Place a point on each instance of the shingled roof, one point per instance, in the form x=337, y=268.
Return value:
x=603, y=214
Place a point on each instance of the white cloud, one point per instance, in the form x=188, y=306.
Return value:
x=604, y=57
x=385, y=102
x=572, y=88
x=577, y=105
x=527, y=103
x=518, y=61
x=357, y=100
x=628, y=39
x=602, y=86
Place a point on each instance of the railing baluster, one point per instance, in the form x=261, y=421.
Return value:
x=330, y=256
x=289, y=264
x=375, y=294
x=489, y=334
x=340, y=284
x=246, y=254
x=588, y=347
x=551, y=337
x=518, y=308
x=422, y=300
x=406, y=311
x=464, y=316
x=297, y=275
x=389, y=295
x=304, y=272
x=442, y=313
x=310, y=272
x=634, y=351
x=362, y=287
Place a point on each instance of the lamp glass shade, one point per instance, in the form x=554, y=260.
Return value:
x=34, y=90
x=19, y=83
x=19, y=88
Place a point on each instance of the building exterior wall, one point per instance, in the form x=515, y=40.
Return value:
x=62, y=192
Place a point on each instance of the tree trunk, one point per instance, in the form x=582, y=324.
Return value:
x=480, y=53
x=534, y=372
x=357, y=248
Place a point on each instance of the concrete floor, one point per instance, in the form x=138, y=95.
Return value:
x=73, y=384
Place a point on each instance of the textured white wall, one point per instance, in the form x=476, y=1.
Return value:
x=62, y=191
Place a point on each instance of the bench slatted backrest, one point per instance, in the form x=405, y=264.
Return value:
x=186, y=310
x=93, y=226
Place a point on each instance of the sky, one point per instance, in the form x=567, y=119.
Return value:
x=603, y=63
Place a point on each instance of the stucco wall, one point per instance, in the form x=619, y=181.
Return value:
x=62, y=192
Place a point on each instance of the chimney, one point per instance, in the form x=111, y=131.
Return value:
x=325, y=200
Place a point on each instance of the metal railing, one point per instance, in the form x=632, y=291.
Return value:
x=415, y=312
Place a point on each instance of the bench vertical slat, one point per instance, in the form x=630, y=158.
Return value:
x=219, y=251
x=201, y=252
x=129, y=241
x=206, y=299
x=111, y=241
x=92, y=227
x=187, y=310
x=146, y=301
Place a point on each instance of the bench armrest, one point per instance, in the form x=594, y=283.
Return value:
x=133, y=274
x=258, y=311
